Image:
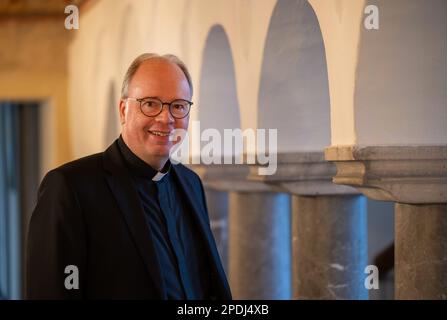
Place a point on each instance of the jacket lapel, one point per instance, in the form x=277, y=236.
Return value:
x=127, y=198
x=194, y=195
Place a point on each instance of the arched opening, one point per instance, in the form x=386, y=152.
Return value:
x=218, y=103
x=218, y=110
x=294, y=91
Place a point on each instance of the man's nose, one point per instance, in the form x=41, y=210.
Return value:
x=165, y=115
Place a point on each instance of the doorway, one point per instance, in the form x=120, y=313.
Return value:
x=19, y=179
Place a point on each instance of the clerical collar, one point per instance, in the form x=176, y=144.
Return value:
x=140, y=168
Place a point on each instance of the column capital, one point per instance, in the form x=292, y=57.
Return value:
x=405, y=174
x=302, y=173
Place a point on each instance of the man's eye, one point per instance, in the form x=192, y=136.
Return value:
x=179, y=106
x=149, y=104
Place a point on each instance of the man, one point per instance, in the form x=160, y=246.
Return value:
x=126, y=223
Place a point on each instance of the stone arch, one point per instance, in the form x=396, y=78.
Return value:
x=218, y=102
x=218, y=109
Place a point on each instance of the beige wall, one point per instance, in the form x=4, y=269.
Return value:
x=33, y=64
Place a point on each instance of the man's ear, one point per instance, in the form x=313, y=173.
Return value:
x=123, y=111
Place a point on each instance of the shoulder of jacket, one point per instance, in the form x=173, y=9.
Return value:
x=89, y=165
x=184, y=170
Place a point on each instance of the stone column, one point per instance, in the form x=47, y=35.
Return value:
x=259, y=251
x=329, y=228
x=217, y=181
x=260, y=245
x=416, y=179
x=330, y=247
x=421, y=251
x=217, y=202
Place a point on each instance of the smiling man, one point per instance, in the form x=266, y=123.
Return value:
x=126, y=223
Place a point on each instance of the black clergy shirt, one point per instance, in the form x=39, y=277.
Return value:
x=174, y=231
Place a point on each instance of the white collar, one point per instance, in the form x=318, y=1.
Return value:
x=159, y=176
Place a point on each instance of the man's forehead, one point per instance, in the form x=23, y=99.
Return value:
x=158, y=72
x=157, y=64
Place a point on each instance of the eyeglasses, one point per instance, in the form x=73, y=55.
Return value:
x=152, y=107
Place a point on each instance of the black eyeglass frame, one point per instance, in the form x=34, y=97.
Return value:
x=141, y=100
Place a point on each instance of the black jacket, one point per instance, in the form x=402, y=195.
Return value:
x=88, y=214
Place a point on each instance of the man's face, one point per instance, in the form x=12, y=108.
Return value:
x=159, y=79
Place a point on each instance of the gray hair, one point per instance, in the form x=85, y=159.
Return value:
x=149, y=56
